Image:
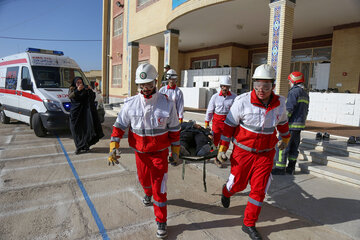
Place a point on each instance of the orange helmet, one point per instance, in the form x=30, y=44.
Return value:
x=296, y=77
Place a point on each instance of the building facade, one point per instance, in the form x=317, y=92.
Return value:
x=192, y=34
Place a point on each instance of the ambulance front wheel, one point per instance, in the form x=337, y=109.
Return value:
x=4, y=119
x=37, y=125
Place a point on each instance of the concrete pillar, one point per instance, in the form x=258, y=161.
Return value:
x=133, y=56
x=280, y=41
x=171, y=49
x=156, y=59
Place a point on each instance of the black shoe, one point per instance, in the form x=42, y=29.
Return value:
x=290, y=170
x=318, y=136
x=225, y=201
x=252, y=232
x=351, y=140
x=77, y=151
x=278, y=171
x=161, y=231
x=326, y=136
x=147, y=201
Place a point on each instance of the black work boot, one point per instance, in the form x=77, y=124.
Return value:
x=225, y=201
x=252, y=232
x=162, y=230
x=290, y=169
x=147, y=201
x=278, y=171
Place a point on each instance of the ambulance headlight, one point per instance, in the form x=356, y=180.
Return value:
x=52, y=105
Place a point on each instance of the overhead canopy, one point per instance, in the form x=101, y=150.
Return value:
x=246, y=22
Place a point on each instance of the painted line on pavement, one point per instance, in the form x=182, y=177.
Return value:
x=88, y=201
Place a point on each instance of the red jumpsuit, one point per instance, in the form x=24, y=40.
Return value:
x=217, y=110
x=154, y=126
x=253, y=130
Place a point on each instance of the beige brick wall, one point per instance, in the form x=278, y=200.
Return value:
x=345, y=58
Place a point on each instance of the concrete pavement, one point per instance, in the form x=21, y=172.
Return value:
x=48, y=192
x=297, y=207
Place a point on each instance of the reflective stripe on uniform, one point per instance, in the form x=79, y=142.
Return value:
x=253, y=201
x=226, y=139
x=280, y=165
x=160, y=204
x=256, y=129
x=231, y=124
x=174, y=129
x=249, y=149
x=115, y=139
x=296, y=126
x=149, y=132
x=303, y=100
x=284, y=134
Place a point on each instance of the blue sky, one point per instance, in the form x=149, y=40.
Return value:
x=53, y=19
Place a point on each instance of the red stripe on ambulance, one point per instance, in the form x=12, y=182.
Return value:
x=23, y=60
x=21, y=93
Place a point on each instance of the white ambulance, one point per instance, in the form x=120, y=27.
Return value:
x=34, y=89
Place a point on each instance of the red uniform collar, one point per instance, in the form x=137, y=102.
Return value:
x=228, y=93
x=173, y=87
x=274, y=101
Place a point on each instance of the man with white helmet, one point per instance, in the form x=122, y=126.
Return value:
x=252, y=124
x=153, y=126
x=217, y=110
x=174, y=93
x=297, y=106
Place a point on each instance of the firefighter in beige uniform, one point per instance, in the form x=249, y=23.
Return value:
x=153, y=127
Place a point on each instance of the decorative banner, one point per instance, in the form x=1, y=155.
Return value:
x=276, y=33
x=176, y=3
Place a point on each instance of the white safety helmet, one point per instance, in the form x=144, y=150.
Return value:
x=264, y=71
x=225, y=81
x=145, y=73
x=171, y=74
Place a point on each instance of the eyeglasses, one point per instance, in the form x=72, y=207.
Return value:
x=264, y=86
x=148, y=86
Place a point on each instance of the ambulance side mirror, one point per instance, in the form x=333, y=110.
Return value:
x=26, y=84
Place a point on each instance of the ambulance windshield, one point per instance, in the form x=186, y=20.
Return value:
x=56, y=77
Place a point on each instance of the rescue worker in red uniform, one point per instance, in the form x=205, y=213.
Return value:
x=217, y=110
x=153, y=126
x=297, y=107
x=174, y=93
x=252, y=125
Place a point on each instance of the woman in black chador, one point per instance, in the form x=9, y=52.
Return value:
x=84, y=122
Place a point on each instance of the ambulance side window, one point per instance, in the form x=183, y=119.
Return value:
x=25, y=74
x=11, y=77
